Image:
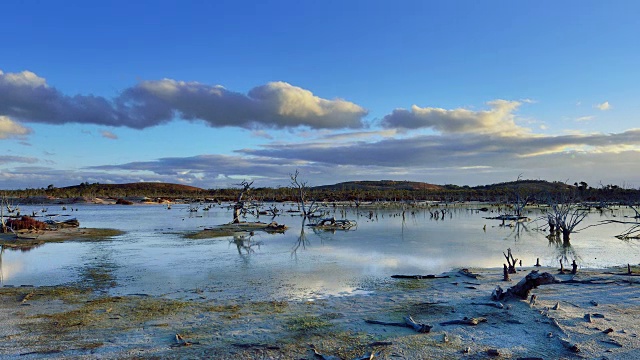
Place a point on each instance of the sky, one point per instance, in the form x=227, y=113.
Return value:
x=211, y=93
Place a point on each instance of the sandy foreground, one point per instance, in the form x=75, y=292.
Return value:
x=597, y=316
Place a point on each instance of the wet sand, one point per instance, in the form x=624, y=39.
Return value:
x=598, y=315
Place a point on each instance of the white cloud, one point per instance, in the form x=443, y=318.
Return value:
x=604, y=106
x=10, y=128
x=108, y=135
x=497, y=120
x=585, y=118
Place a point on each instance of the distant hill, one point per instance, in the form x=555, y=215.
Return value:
x=138, y=187
x=380, y=185
x=533, y=186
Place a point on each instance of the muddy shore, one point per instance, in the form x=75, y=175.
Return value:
x=596, y=313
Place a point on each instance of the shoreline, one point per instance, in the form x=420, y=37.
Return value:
x=64, y=322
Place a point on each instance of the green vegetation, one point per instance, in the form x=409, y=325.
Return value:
x=384, y=190
x=307, y=323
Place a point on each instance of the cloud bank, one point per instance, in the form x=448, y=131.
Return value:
x=26, y=97
x=497, y=120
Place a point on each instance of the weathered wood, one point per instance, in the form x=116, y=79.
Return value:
x=468, y=273
x=465, y=321
x=505, y=273
x=180, y=341
x=511, y=261
x=570, y=346
x=408, y=322
x=497, y=305
x=522, y=288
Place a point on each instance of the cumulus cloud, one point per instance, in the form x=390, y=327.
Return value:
x=10, y=128
x=27, y=97
x=108, y=135
x=499, y=119
x=604, y=106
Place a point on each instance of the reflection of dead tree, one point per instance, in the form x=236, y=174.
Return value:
x=239, y=208
x=564, y=250
x=302, y=239
x=302, y=190
x=243, y=242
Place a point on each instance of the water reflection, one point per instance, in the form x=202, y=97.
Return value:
x=565, y=253
x=244, y=244
x=149, y=258
x=302, y=241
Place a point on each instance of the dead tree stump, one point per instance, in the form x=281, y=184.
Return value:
x=522, y=288
x=505, y=272
x=511, y=261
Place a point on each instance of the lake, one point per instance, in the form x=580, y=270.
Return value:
x=153, y=257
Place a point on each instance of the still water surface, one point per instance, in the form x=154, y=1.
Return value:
x=153, y=257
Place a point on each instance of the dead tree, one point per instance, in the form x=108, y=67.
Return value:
x=302, y=189
x=239, y=207
x=566, y=216
x=511, y=261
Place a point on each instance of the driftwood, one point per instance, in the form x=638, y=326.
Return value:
x=419, y=276
x=465, y=321
x=497, y=305
x=522, y=288
x=180, y=341
x=468, y=273
x=408, y=322
x=331, y=357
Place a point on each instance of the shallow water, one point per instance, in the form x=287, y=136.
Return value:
x=153, y=257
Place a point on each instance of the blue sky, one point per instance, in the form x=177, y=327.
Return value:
x=211, y=93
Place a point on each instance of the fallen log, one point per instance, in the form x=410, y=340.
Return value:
x=408, y=322
x=497, y=305
x=522, y=288
x=465, y=321
x=468, y=273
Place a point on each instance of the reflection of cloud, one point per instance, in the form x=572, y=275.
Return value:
x=10, y=128
x=604, y=106
x=27, y=97
x=498, y=120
